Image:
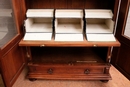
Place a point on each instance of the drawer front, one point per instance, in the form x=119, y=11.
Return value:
x=57, y=70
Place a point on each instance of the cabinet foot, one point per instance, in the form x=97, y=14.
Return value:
x=32, y=79
x=105, y=81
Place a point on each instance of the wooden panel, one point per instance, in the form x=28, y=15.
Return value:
x=121, y=56
x=39, y=4
x=76, y=4
x=121, y=62
x=115, y=10
x=60, y=3
x=33, y=4
x=71, y=4
x=97, y=4
x=66, y=71
x=12, y=64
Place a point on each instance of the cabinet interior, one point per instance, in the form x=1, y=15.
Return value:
x=69, y=25
x=104, y=26
x=65, y=55
x=39, y=25
x=69, y=19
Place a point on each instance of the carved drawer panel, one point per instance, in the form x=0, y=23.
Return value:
x=66, y=69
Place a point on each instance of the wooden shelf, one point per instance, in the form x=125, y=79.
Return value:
x=84, y=43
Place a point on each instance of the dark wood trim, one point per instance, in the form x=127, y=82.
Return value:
x=121, y=55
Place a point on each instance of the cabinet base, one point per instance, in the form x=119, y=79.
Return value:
x=103, y=77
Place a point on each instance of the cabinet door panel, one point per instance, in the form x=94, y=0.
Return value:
x=12, y=64
x=121, y=56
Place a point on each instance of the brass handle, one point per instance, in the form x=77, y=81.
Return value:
x=42, y=45
x=86, y=71
x=50, y=71
x=94, y=45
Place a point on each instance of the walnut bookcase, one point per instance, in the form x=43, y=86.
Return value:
x=72, y=60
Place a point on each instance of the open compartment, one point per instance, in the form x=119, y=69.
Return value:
x=38, y=24
x=66, y=55
x=99, y=25
x=76, y=63
x=69, y=23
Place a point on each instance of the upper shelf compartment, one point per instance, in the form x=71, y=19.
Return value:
x=69, y=23
x=38, y=24
x=99, y=25
x=99, y=21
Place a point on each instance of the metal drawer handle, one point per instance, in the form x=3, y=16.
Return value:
x=95, y=45
x=50, y=71
x=86, y=71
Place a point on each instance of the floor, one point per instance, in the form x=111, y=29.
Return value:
x=1, y=82
x=118, y=81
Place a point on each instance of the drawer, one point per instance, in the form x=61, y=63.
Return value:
x=66, y=69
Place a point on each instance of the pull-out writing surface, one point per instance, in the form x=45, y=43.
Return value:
x=99, y=24
x=69, y=25
x=38, y=24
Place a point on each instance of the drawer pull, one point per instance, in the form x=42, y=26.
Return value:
x=86, y=71
x=95, y=45
x=50, y=71
x=42, y=45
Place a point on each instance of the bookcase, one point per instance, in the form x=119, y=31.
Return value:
x=69, y=39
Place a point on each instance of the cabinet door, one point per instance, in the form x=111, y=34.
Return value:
x=121, y=56
x=11, y=57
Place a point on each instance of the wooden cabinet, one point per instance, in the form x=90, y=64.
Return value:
x=73, y=60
